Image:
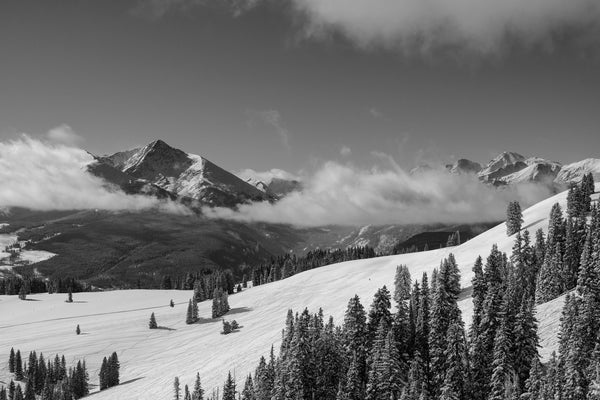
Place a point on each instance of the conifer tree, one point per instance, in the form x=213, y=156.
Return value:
x=152, y=324
x=456, y=371
x=379, y=313
x=104, y=374
x=402, y=282
x=514, y=218
x=78, y=330
x=189, y=317
x=479, y=292
x=229, y=388
x=11, y=361
x=248, y=392
x=501, y=366
x=176, y=389
x=19, y=366
x=18, y=393
x=70, y=296
x=195, y=315
x=198, y=392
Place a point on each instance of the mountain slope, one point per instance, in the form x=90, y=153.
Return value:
x=184, y=175
x=574, y=172
x=117, y=321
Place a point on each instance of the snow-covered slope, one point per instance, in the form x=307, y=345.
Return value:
x=117, y=321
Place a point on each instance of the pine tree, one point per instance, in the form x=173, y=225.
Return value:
x=18, y=393
x=104, y=374
x=19, y=366
x=195, y=316
x=479, y=292
x=70, y=296
x=22, y=293
x=78, y=330
x=189, y=317
x=11, y=361
x=456, y=371
x=514, y=218
x=379, y=313
x=526, y=343
x=198, y=392
x=501, y=365
x=152, y=324
x=248, y=392
x=402, y=282
x=444, y=313
x=229, y=388
x=171, y=303
x=176, y=389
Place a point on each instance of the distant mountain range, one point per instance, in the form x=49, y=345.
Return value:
x=511, y=168
x=160, y=170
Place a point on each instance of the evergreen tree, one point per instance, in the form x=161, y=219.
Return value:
x=176, y=389
x=379, y=313
x=514, y=218
x=444, y=313
x=18, y=393
x=479, y=292
x=198, y=392
x=402, y=282
x=501, y=366
x=104, y=374
x=195, y=316
x=248, y=392
x=456, y=371
x=18, y=366
x=152, y=324
x=11, y=361
x=229, y=388
x=70, y=296
x=78, y=330
x=189, y=317
x=171, y=303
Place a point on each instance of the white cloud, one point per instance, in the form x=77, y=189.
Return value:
x=64, y=134
x=375, y=113
x=344, y=194
x=273, y=119
x=52, y=176
x=346, y=151
x=482, y=26
x=266, y=176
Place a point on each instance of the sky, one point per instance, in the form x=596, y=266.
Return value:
x=292, y=84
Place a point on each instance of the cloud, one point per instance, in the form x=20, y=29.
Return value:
x=482, y=26
x=375, y=113
x=343, y=194
x=52, y=176
x=64, y=134
x=273, y=119
x=346, y=151
x=266, y=176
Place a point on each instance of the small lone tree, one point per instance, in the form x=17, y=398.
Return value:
x=514, y=218
x=152, y=324
x=176, y=388
x=22, y=293
x=171, y=303
x=70, y=296
x=78, y=330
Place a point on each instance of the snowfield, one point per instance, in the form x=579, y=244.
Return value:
x=150, y=359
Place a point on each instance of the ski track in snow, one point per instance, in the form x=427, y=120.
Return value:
x=150, y=359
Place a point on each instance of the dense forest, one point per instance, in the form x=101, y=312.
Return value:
x=413, y=345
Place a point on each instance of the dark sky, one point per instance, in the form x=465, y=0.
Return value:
x=251, y=90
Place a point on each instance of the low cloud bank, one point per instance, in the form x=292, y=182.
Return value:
x=51, y=175
x=344, y=194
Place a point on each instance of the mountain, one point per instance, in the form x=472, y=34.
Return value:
x=186, y=176
x=464, y=166
x=118, y=320
x=575, y=171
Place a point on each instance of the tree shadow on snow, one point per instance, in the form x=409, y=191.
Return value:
x=165, y=328
x=233, y=311
x=531, y=224
x=238, y=310
x=120, y=384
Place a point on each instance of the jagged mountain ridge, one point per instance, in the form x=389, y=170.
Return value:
x=160, y=169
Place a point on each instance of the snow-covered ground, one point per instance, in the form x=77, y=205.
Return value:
x=25, y=256
x=150, y=359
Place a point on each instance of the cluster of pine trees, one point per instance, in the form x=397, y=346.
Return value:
x=28, y=285
x=49, y=380
x=287, y=265
x=197, y=392
x=422, y=350
x=203, y=284
x=220, y=303
x=109, y=371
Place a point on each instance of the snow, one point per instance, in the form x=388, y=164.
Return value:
x=574, y=172
x=150, y=359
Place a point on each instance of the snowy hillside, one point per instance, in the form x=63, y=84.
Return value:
x=118, y=321
x=575, y=171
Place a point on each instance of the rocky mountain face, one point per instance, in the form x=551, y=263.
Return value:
x=161, y=170
x=510, y=168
